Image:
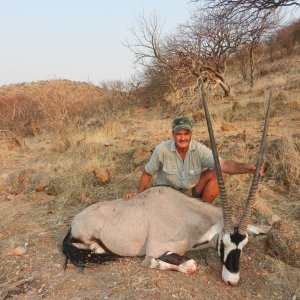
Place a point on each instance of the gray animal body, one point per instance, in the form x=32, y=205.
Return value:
x=161, y=224
x=156, y=221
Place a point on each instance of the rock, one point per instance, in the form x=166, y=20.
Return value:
x=272, y=183
x=41, y=186
x=285, y=227
x=19, y=251
x=274, y=219
x=103, y=175
x=86, y=198
x=228, y=127
x=259, y=229
x=4, y=178
x=131, y=131
x=11, y=197
x=96, y=176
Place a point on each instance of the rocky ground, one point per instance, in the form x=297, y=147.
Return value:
x=35, y=215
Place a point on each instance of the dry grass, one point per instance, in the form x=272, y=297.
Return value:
x=284, y=160
x=122, y=142
x=55, y=106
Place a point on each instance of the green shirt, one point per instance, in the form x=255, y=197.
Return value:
x=172, y=170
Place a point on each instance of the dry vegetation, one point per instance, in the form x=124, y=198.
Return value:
x=65, y=145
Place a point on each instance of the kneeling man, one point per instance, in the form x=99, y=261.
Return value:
x=187, y=165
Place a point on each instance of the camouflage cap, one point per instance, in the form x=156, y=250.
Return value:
x=181, y=123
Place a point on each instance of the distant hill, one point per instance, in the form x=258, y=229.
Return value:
x=28, y=108
x=67, y=88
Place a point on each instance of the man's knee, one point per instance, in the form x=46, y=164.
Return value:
x=207, y=186
x=209, y=175
x=206, y=177
x=209, y=197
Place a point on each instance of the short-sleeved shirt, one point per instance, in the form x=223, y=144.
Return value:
x=172, y=170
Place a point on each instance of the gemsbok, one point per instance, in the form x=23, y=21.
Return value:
x=162, y=224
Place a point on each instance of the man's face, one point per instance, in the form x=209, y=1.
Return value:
x=182, y=138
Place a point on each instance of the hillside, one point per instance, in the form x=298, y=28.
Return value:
x=50, y=175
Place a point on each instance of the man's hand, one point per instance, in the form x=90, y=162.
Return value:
x=129, y=196
x=262, y=169
x=233, y=167
x=252, y=167
x=143, y=185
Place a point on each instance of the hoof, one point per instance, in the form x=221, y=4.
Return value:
x=188, y=267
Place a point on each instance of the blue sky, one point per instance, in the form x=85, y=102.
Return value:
x=79, y=40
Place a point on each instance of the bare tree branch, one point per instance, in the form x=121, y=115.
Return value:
x=253, y=4
x=253, y=8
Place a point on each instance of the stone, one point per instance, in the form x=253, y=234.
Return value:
x=41, y=186
x=103, y=175
x=274, y=219
x=20, y=251
x=228, y=127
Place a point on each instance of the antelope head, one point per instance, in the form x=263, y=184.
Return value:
x=233, y=239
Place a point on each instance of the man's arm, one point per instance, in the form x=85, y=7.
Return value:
x=233, y=167
x=143, y=184
x=152, y=167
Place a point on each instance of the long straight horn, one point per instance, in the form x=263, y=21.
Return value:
x=223, y=196
x=253, y=189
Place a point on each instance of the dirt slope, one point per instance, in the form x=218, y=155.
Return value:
x=33, y=223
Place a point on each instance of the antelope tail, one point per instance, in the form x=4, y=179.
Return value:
x=82, y=257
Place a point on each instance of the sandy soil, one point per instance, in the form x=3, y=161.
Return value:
x=33, y=225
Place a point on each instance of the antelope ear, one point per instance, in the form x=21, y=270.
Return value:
x=258, y=229
x=210, y=233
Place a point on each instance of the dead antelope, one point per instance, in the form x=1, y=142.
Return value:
x=162, y=224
